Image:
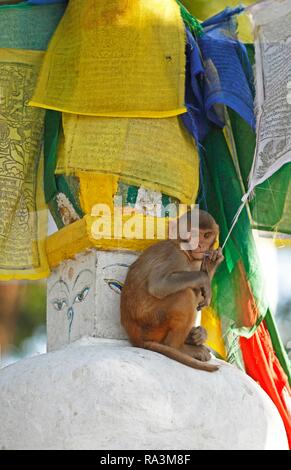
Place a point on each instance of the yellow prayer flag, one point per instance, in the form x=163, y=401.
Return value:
x=211, y=322
x=116, y=58
x=156, y=153
x=96, y=188
x=23, y=215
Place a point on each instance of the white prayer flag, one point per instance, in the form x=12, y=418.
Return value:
x=272, y=35
x=272, y=38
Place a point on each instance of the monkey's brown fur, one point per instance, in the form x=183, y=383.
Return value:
x=162, y=291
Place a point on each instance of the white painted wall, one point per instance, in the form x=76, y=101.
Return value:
x=98, y=314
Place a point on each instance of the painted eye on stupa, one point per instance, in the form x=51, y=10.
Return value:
x=59, y=304
x=82, y=295
x=114, y=285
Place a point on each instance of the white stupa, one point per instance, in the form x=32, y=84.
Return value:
x=95, y=391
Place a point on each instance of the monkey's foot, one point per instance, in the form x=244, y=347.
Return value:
x=201, y=353
x=197, y=336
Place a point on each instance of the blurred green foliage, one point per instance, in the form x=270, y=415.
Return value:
x=32, y=311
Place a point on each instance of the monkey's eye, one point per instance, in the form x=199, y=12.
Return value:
x=114, y=285
x=59, y=304
x=208, y=235
x=82, y=295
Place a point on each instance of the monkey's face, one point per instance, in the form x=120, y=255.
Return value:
x=207, y=239
x=198, y=233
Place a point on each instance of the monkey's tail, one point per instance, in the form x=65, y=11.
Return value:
x=179, y=356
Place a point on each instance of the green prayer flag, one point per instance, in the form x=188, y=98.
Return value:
x=25, y=26
x=238, y=287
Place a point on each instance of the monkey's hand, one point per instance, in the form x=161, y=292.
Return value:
x=197, y=336
x=211, y=262
x=205, y=290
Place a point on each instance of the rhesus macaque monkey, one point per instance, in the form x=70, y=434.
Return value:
x=164, y=289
